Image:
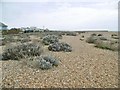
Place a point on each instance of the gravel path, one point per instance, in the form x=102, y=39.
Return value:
x=86, y=66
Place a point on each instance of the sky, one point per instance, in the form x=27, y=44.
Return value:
x=61, y=14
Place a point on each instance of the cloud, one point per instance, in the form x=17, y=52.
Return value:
x=65, y=15
x=59, y=0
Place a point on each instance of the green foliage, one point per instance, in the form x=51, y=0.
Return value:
x=102, y=38
x=50, y=39
x=22, y=51
x=91, y=39
x=60, y=47
x=47, y=62
x=93, y=34
x=115, y=37
x=110, y=45
x=8, y=39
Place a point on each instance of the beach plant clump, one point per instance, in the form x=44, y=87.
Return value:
x=8, y=39
x=22, y=51
x=82, y=38
x=47, y=62
x=92, y=39
x=114, y=36
x=2, y=42
x=110, y=45
x=94, y=34
x=23, y=38
x=50, y=39
x=103, y=38
x=60, y=47
x=103, y=43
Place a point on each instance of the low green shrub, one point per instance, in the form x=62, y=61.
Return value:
x=23, y=40
x=60, y=47
x=94, y=34
x=22, y=51
x=8, y=38
x=102, y=44
x=91, y=39
x=115, y=37
x=103, y=38
x=110, y=45
x=49, y=39
x=47, y=62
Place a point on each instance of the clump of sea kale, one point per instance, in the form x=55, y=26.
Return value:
x=47, y=62
x=94, y=34
x=115, y=36
x=60, y=47
x=22, y=51
x=50, y=39
x=92, y=39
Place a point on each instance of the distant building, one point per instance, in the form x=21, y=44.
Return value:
x=30, y=29
x=25, y=29
x=46, y=30
x=3, y=26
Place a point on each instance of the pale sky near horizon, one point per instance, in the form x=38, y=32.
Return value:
x=61, y=14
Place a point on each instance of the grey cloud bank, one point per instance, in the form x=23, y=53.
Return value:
x=65, y=15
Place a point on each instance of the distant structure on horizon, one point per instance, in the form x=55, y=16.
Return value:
x=3, y=26
x=32, y=29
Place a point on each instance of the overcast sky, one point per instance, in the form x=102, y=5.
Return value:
x=61, y=14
